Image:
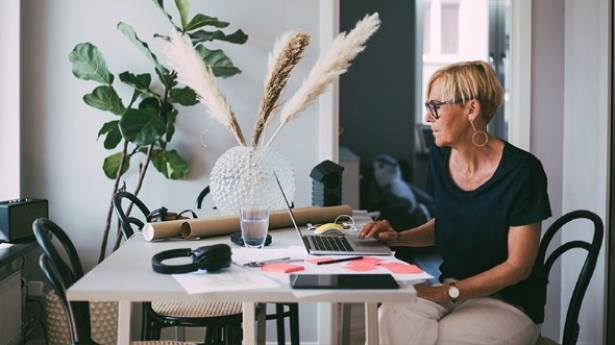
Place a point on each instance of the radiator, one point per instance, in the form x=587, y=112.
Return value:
x=10, y=308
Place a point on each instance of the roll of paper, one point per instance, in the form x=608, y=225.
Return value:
x=216, y=226
x=162, y=230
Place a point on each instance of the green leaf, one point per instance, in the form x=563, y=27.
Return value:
x=114, y=136
x=171, y=116
x=105, y=98
x=171, y=164
x=200, y=36
x=201, y=20
x=160, y=4
x=139, y=82
x=183, y=6
x=150, y=103
x=142, y=126
x=184, y=96
x=221, y=65
x=112, y=164
x=130, y=33
x=107, y=127
x=89, y=64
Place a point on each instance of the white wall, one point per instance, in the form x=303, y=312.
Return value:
x=547, y=132
x=586, y=142
x=9, y=100
x=570, y=134
x=61, y=158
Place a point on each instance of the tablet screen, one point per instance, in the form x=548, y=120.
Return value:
x=343, y=281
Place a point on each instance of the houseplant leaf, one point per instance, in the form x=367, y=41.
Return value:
x=201, y=20
x=171, y=164
x=220, y=64
x=89, y=64
x=160, y=4
x=113, y=134
x=130, y=33
x=112, y=164
x=170, y=116
x=184, y=96
x=142, y=126
x=105, y=98
x=139, y=82
x=238, y=37
x=183, y=6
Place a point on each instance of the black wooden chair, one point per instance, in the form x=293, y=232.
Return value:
x=62, y=275
x=221, y=319
x=571, y=325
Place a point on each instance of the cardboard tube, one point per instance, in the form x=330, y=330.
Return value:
x=161, y=230
x=215, y=226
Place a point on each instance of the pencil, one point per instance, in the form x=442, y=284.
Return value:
x=339, y=260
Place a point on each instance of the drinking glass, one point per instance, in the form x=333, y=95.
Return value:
x=254, y=224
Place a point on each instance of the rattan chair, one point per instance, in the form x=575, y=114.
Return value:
x=571, y=324
x=62, y=275
x=221, y=319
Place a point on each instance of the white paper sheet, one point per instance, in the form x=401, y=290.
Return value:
x=231, y=279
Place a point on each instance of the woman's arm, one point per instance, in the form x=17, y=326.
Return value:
x=523, y=242
x=421, y=236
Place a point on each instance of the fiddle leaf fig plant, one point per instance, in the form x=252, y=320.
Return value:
x=144, y=125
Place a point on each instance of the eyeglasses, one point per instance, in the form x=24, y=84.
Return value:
x=433, y=106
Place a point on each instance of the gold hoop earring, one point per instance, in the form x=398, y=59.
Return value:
x=478, y=133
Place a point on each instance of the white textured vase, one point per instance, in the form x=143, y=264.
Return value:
x=244, y=175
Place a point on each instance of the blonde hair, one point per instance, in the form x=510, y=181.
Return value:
x=470, y=80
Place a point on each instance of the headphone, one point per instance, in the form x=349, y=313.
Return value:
x=211, y=258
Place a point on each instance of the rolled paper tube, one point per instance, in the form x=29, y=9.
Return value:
x=215, y=226
x=162, y=230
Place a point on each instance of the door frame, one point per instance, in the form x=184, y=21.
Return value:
x=521, y=76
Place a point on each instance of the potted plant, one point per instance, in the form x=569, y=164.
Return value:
x=144, y=125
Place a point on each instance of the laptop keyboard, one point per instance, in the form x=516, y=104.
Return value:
x=332, y=243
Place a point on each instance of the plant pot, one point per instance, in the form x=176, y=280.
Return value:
x=244, y=175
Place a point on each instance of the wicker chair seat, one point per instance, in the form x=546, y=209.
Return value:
x=196, y=309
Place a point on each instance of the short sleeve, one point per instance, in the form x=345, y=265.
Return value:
x=532, y=201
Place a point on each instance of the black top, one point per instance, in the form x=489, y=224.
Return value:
x=471, y=227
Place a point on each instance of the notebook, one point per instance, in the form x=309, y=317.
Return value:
x=348, y=244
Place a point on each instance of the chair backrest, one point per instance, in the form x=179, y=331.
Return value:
x=571, y=326
x=63, y=275
x=125, y=221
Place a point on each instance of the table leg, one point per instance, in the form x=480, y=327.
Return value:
x=261, y=324
x=249, y=331
x=123, y=327
x=346, y=309
x=371, y=323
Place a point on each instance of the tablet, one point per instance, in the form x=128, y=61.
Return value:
x=343, y=281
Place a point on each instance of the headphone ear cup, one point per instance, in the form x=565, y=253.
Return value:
x=212, y=258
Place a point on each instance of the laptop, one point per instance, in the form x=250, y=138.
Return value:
x=348, y=244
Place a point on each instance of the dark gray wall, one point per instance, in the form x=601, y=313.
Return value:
x=376, y=94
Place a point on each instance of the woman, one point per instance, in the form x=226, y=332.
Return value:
x=490, y=199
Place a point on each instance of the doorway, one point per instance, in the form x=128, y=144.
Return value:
x=381, y=96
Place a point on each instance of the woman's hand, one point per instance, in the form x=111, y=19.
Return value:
x=380, y=230
x=435, y=293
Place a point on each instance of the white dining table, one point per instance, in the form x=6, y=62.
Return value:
x=126, y=276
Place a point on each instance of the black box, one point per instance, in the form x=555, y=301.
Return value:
x=17, y=216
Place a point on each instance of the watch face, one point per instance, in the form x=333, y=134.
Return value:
x=453, y=291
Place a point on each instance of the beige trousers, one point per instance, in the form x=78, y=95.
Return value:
x=476, y=321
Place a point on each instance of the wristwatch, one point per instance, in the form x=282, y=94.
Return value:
x=453, y=291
